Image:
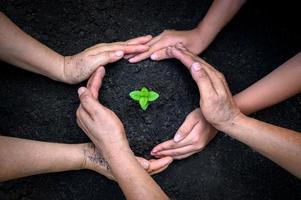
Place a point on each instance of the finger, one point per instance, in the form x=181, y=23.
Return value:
x=176, y=152
x=186, y=58
x=157, y=165
x=88, y=103
x=160, y=55
x=95, y=81
x=140, y=40
x=128, y=56
x=203, y=81
x=126, y=48
x=184, y=155
x=83, y=119
x=154, y=40
x=169, y=144
x=106, y=57
x=190, y=121
x=143, y=162
x=155, y=47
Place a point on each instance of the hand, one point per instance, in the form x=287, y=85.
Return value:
x=216, y=102
x=192, y=137
x=192, y=39
x=80, y=66
x=93, y=157
x=93, y=160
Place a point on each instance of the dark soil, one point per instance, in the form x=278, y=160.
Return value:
x=260, y=38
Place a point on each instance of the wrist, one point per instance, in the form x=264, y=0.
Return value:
x=67, y=69
x=233, y=124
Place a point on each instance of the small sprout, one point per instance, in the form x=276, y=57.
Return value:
x=144, y=96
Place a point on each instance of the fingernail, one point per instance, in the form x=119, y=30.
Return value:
x=132, y=60
x=81, y=90
x=154, y=151
x=154, y=56
x=196, y=66
x=119, y=53
x=145, y=164
x=178, y=137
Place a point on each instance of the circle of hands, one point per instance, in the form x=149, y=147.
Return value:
x=217, y=108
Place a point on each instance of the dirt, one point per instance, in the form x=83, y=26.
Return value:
x=260, y=38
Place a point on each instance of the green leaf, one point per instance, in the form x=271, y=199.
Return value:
x=145, y=107
x=144, y=89
x=144, y=92
x=135, y=95
x=152, y=96
x=143, y=101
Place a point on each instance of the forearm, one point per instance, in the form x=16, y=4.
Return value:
x=280, y=145
x=277, y=86
x=131, y=177
x=21, y=157
x=218, y=15
x=20, y=49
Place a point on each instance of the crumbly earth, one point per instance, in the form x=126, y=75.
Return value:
x=260, y=38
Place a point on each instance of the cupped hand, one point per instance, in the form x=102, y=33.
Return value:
x=157, y=51
x=192, y=137
x=107, y=123
x=80, y=67
x=216, y=101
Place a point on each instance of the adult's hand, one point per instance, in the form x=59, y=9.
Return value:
x=192, y=39
x=216, y=102
x=93, y=158
x=79, y=67
x=192, y=137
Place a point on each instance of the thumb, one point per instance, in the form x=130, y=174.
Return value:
x=95, y=81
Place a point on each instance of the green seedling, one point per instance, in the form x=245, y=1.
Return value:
x=144, y=96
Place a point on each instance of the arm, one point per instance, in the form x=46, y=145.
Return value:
x=197, y=39
x=106, y=131
x=281, y=145
x=277, y=86
x=21, y=157
x=195, y=131
x=20, y=49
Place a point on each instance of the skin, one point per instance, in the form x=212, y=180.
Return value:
x=282, y=146
x=19, y=157
x=106, y=131
x=20, y=49
x=197, y=39
x=277, y=86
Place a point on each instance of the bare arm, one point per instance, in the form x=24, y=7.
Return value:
x=195, y=40
x=217, y=17
x=20, y=49
x=21, y=157
x=281, y=145
x=277, y=86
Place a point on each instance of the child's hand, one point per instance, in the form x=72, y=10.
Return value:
x=192, y=137
x=79, y=67
x=191, y=39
